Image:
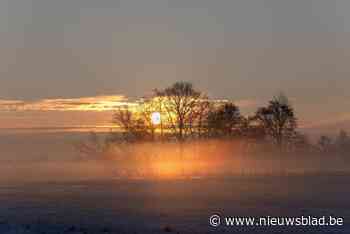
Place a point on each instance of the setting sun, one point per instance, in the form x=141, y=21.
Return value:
x=156, y=118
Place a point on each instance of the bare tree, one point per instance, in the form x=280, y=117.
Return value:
x=278, y=120
x=325, y=144
x=225, y=121
x=145, y=111
x=133, y=127
x=181, y=103
x=342, y=142
x=200, y=116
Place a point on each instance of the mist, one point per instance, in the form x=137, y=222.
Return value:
x=55, y=157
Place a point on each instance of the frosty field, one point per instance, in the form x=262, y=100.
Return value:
x=175, y=206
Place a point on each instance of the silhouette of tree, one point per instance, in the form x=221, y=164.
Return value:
x=278, y=120
x=196, y=121
x=181, y=103
x=224, y=121
x=133, y=127
x=325, y=144
x=343, y=142
x=145, y=111
x=252, y=131
x=200, y=116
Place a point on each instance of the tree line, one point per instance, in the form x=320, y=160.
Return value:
x=188, y=114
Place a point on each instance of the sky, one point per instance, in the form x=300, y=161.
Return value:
x=242, y=50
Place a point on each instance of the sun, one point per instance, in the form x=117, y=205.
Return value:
x=156, y=118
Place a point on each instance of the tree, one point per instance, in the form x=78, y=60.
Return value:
x=343, y=142
x=325, y=144
x=224, y=121
x=181, y=102
x=133, y=127
x=197, y=118
x=278, y=120
x=145, y=110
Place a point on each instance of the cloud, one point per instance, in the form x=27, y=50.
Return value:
x=98, y=103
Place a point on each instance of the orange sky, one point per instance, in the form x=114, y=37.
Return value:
x=54, y=53
x=95, y=113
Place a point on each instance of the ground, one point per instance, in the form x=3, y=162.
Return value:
x=170, y=206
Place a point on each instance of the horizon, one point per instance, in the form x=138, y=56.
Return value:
x=244, y=51
x=97, y=112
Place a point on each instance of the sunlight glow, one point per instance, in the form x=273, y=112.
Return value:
x=156, y=118
x=98, y=103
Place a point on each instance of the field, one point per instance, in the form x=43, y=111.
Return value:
x=173, y=206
